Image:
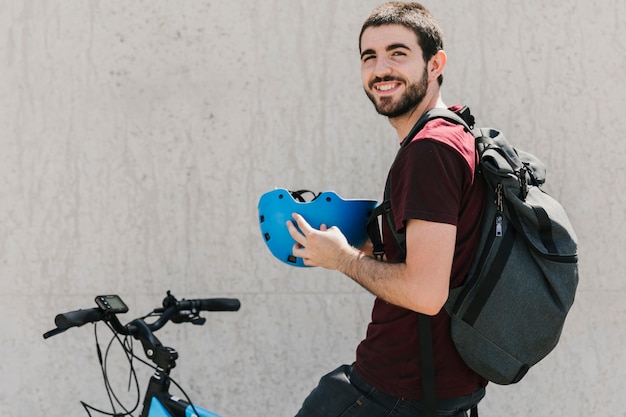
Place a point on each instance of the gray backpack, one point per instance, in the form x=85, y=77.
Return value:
x=509, y=312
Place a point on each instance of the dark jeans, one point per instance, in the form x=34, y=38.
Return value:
x=342, y=393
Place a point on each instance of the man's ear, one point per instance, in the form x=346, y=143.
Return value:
x=436, y=65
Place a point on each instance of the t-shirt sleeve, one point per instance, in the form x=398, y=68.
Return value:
x=427, y=182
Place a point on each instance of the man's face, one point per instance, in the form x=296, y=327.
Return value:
x=393, y=70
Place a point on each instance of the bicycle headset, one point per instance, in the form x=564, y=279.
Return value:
x=277, y=206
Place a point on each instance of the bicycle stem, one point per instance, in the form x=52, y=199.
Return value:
x=163, y=357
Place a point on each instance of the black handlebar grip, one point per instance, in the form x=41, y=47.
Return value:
x=78, y=318
x=211, y=304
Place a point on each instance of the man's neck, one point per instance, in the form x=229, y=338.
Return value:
x=403, y=124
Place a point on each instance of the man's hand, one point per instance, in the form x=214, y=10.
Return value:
x=326, y=247
x=419, y=284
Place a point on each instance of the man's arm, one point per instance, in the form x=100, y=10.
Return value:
x=421, y=284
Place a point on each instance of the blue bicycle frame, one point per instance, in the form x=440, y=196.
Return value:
x=157, y=409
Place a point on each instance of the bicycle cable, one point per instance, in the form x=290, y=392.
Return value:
x=113, y=398
x=127, y=348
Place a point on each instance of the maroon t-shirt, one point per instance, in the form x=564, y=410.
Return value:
x=432, y=179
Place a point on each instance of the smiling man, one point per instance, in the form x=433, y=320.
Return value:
x=436, y=203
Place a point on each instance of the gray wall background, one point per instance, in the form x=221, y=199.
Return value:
x=138, y=136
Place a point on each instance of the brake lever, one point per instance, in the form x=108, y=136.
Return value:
x=198, y=321
x=188, y=317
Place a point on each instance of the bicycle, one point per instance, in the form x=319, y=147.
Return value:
x=158, y=402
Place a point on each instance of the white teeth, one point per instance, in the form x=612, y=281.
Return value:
x=385, y=87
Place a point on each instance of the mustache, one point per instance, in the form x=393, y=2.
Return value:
x=386, y=78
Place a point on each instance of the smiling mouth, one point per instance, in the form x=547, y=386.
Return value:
x=385, y=86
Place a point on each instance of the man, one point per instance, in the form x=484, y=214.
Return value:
x=436, y=203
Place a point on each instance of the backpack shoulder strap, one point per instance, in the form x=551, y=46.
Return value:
x=463, y=118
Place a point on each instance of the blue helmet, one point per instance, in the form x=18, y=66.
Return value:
x=276, y=207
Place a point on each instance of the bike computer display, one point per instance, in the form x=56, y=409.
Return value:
x=111, y=304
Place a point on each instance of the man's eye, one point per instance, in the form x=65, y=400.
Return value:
x=368, y=58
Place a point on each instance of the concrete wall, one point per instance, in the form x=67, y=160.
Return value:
x=138, y=136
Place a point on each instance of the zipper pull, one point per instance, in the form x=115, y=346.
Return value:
x=499, y=220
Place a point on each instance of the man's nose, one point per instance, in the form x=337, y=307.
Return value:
x=383, y=67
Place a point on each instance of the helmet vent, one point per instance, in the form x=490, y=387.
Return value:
x=292, y=259
x=267, y=237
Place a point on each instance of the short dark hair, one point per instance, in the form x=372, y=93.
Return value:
x=413, y=16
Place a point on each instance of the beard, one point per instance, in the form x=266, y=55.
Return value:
x=414, y=94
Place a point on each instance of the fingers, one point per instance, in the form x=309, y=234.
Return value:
x=298, y=249
x=315, y=247
x=295, y=233
x=299, y=232
x=299, y=229
x=303, y=225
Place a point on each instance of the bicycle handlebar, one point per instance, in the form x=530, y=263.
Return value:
x=176, y=310
x=163, y=357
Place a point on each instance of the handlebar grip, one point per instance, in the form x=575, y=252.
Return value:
x=211, y=304
x=78, y=318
